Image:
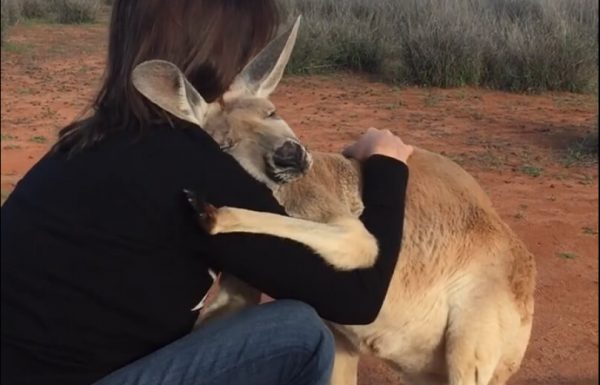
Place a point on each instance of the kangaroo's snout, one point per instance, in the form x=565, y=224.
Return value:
x=291, y=155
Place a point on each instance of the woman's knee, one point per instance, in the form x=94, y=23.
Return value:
x=300, y=322
x=299, y=314
x=295, y=311
x=301, y=327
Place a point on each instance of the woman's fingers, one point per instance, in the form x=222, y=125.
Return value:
x=378, y=142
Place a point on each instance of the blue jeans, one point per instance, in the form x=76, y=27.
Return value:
x=281, y=342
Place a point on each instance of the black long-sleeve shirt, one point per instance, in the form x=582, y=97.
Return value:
x=102, y=258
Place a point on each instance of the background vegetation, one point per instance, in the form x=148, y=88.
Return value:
x=517, y=45
x=58, y=11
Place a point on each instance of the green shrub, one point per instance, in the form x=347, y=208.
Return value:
x=3, y=21
x=540, y=50
x=12, y=11
x=346, y=35
x=74, y=11
x=440, y=44
x=520, y=45
x=35, y=9
x=60, y=11
x=11, y=14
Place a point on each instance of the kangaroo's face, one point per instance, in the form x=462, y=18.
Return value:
x=243, y=122
x=250, y=129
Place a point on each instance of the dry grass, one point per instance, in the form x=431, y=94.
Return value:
x=518, y=45
x=58, y=11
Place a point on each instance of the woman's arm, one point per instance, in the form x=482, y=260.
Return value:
x=285, y=269
x=343, y=242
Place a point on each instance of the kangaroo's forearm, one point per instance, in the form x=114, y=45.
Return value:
x=344, y=243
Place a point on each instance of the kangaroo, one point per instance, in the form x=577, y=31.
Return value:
x=460, y=305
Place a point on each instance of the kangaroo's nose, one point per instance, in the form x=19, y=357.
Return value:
x=290, y=155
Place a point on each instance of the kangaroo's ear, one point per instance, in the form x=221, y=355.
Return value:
x=261, y=76
x=164, y=85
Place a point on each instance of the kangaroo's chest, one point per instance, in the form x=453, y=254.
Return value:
x=331, y=189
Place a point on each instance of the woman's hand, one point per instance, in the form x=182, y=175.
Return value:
x=378, y=142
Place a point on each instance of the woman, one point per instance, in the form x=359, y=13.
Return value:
x=101, y=256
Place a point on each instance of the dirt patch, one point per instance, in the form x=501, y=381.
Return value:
x=515, y=145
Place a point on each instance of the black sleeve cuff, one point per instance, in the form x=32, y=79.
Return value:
x=384, y=180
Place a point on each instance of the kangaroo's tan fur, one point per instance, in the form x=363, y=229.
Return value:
x=460, y=304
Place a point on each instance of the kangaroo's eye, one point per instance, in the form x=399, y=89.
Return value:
x=272, y=115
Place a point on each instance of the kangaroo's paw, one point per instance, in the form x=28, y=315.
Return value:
x=207, y=213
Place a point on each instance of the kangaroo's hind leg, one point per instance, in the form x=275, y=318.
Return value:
x=473, y=342
x=513, y=354
x=345, y=367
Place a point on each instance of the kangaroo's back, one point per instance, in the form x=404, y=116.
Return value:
x=449, y=220
x=448, y=216
x=451, y=226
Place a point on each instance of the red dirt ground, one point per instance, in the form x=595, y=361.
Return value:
x=515, y=145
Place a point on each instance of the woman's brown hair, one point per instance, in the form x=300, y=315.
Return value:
x=209, y=40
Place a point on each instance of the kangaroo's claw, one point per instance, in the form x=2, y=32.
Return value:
x=207, y=213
